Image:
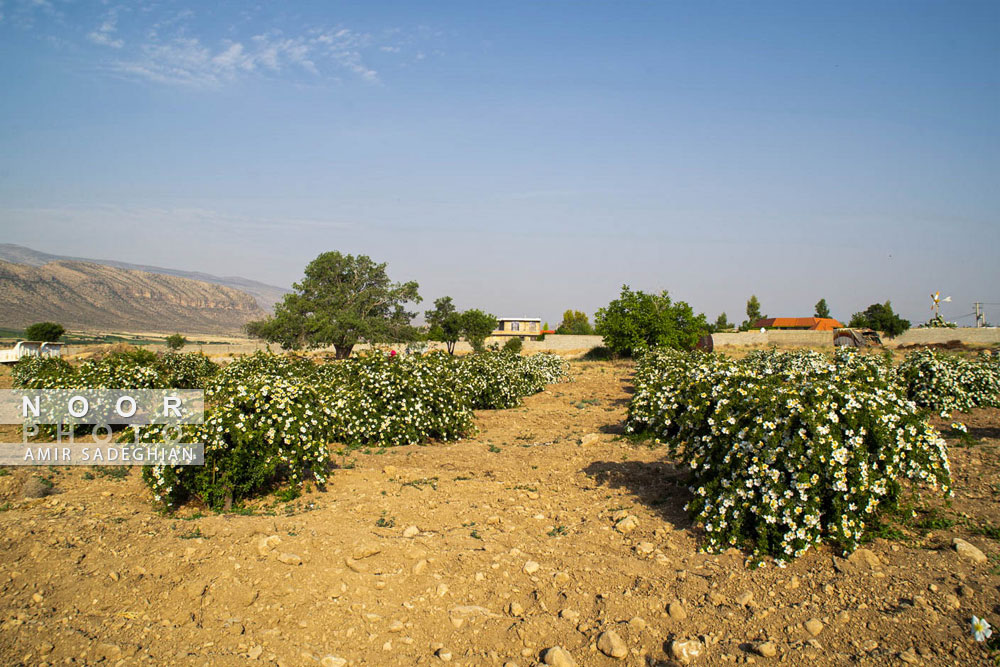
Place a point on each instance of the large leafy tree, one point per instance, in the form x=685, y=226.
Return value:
x=880, y=317
x=343, y=300
x=575, y=322
x=476, y=326
x=446, y=323
x=636, y=321
x=46, y=332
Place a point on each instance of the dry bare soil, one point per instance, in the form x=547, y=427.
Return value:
x=482, y=552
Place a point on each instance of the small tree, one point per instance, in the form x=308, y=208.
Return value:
x=636, y=321
x=514, y=345
x=821, y=309
x=753, y=313
x=343, y=300
x=46, y=332
x=722, y=323
x=175, y=341
x=446, y=323
x=575, y=323
x=880, y=317
x=477, y=326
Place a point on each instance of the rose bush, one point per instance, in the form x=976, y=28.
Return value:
x=187, y=370
x=270, y=418
x=945, y=382
x=387, y=400
x=42, y=373
x=264, y=426
x=786, y=449
x=496, y=380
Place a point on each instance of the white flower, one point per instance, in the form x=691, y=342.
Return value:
x=981, y=629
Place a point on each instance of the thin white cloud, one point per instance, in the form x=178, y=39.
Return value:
x=188, y=61
x=174, y=46
x=105, y=33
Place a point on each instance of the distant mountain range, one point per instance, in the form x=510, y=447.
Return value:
x=106, y=295
x=266, y=295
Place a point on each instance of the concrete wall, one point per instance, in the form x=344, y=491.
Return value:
x=773, y=337
x=968, y=335
x=563, y=343
x=553, y=343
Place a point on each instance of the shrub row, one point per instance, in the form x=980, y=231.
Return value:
x=383, y=401
x=945, y=382
x=498, y=380
x=787, y=449
x=270, y=418
x=133, y=369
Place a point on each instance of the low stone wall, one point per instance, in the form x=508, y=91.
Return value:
x=553, y=343
x=741, y=338
x=563, y=343
x=966, y=335
x=773, y=337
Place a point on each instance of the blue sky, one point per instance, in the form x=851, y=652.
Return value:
x=522, y=157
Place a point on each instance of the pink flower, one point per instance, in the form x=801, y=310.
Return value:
x=392, y=353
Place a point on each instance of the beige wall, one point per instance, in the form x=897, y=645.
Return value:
x=774, y=337
x=969, y=335
x=552, y=343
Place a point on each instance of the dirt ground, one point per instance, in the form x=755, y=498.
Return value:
x=483, y=552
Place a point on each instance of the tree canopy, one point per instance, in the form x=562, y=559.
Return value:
x=880, y=317
x=636, y=321
x=445, y=322
x=753, y=313
x=477, y=326
x=822, y=310
x=343, y=300
x=175, y=341
x=722, y=323
x=575, y=322
x=46, y=332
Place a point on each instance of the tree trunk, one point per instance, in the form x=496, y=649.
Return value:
x=343, y=351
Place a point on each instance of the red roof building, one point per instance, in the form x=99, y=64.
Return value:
x=799, y=323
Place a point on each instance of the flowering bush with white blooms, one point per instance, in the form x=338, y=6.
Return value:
x=135, y=369
x=496, y=380
x=120, y=371
x=42, y=373
x=945, y=382
x=547, y=368
x=187, y=370
x=395, y=400
x=787, y=449
x=266, y=423
x=270, y=418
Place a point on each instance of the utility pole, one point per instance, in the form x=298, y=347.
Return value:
x=979, y=315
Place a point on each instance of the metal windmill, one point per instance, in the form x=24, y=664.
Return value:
x=936, y=303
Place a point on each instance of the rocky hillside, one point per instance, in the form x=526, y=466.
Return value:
x=266, y=295
x=81, y=295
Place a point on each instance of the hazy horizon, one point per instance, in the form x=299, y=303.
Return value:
x=524, y=158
